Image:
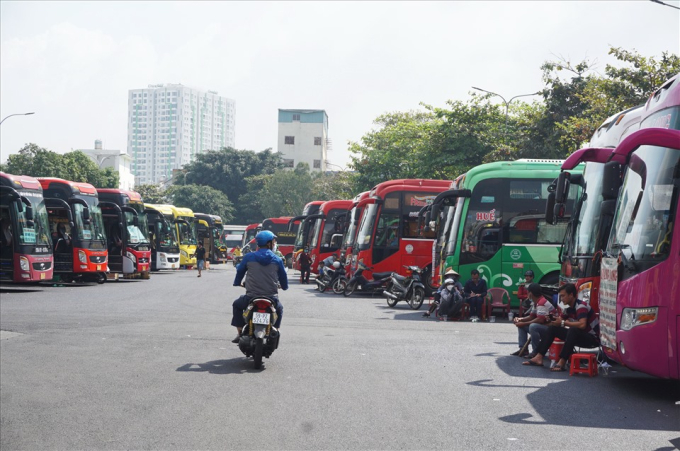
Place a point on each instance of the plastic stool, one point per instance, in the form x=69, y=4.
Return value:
x=577, y=360
x=554, y=351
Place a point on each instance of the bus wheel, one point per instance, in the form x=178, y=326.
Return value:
x=427, y=281
x=101, y=277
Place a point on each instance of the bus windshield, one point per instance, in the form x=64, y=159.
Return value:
x=351, y=229
x=585, y=232
x=134, y=233
x=94, y=230
x=37, y=234
x=643, y=222
x=507, y=211
x=187, y=231
x=333, y=225
x=366, y=227
x=280, y=229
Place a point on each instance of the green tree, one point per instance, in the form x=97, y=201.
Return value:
x=201, y=199
x=249, y=205
x=226, y=170
x=286, y=192
x=334, y=185
x=152, y=194
x=75, y=166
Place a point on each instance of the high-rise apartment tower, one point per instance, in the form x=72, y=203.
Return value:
x=169, y=124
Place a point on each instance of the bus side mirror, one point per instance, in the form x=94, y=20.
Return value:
x=86, y=215
x=427, y=220
x=611, y=180
x=20, y=205
x=135, y=221
x=562, y=188
x=550, y=209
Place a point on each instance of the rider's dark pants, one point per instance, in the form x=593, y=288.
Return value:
x=241, y=304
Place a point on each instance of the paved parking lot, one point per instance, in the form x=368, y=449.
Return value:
x=148, y=365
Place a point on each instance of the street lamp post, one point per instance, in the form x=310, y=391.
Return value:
x=15, y=114
x=507, y=105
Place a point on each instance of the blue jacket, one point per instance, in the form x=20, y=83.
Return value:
x=265, y=270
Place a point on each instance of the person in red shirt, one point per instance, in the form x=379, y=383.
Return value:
x=533, y=324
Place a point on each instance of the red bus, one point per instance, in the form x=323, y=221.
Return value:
x=284, y=238
x=25, y=247
x=328, y=231
x=639, y=281
x=78, y=233
x=124, y=217
x=249, y=235
x=352, y=227
x=388, y=236
x=305, y=229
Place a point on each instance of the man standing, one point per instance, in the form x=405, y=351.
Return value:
x=200, y=258
x=475, y=292
x=533, y=324
x=305, y=266
x=578, y=326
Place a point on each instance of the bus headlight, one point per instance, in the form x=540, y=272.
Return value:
x=584, y=292
x=82, y=256
x=632, y=317
x=184, y=253
x=131, y=256
x=23, y=263
x=162, y=257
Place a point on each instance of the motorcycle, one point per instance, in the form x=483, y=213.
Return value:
x=333, y=277
x=259, y=337
x=359, y=283
x=406, y=288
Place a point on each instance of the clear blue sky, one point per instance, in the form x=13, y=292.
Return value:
x=73, y=62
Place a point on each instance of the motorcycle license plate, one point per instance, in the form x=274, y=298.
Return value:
x=260, y=318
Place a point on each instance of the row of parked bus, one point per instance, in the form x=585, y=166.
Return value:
x=55, y=228
x=603, y=219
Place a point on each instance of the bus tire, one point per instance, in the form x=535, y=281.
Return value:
x=430, y=288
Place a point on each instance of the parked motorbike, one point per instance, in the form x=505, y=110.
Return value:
x=359, y=283
x=236, y=260
x=259, y=337
x=333, y=278
x=406, y=288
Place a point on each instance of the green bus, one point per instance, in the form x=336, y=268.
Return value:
x=493, y=220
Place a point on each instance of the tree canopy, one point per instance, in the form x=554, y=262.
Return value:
x=201, y=199
x=75, y=166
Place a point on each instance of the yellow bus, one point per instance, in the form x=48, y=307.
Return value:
x=185, y=224
x=163, y=237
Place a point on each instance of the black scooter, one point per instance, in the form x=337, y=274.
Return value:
x=406, y=288
x=333, y=278
x=358, y=282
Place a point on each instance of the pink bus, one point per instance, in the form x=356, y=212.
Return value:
x=640, y=271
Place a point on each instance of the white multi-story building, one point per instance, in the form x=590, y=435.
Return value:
x=108, y=158
x=303, y=138
x=169, y=124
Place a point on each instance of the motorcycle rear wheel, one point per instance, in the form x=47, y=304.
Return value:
x=339, y=285
x=257, y=355
x=416, y=298
x=349, y=289
x=392, y=302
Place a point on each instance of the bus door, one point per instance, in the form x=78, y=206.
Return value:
x=116, y=242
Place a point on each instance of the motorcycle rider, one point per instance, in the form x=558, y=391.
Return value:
x=265, y=273
x=327, y=263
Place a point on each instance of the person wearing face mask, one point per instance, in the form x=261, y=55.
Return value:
x=448, y=296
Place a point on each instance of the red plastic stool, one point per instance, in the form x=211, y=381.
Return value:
x=554, y=351
x=590, y=367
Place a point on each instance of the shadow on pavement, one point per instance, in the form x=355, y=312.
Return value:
x=624, y=399
x=239, y=365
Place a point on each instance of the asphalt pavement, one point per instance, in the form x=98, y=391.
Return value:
x=148, y=364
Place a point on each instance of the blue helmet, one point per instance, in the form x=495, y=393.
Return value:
x=264, y=237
